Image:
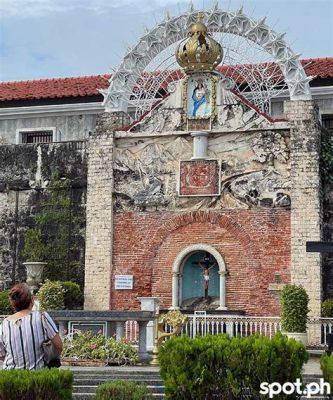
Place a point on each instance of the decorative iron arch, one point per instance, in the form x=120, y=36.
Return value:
x=172, y=30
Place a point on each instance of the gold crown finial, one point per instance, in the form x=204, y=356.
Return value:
x=200, y=51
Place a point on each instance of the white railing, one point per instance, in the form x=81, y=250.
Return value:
x=202, y=325
x=320, y=328
x=132, y=331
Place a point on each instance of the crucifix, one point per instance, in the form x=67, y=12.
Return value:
x=206, y=264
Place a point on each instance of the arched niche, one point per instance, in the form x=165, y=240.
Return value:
x=177, y=272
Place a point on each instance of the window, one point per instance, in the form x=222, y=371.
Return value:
x=37, y=135
x=327, y=121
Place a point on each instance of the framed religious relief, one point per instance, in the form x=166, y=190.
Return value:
x=199, y=178
x=199, y=99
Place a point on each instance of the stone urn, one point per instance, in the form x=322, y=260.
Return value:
x=301, y=336
x=34, y=274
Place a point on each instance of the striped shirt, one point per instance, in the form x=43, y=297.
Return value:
x=21, y=340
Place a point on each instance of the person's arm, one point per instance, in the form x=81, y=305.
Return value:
x=57, y=343
x=2, y=346
x=52, y=331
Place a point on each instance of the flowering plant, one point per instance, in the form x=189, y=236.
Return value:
x=91, y=346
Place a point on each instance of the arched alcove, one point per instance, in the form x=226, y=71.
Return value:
x=185, y=258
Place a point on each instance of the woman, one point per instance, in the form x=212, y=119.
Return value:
x=22, y=334
x=200, y=97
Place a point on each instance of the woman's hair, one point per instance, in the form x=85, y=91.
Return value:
x=20, y=296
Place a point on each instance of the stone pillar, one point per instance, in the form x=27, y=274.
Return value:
x=306, y=213
x=200, y=145
x=175, y=291
x=98, y=262
x=143, y=355
x=149, y=304
x=120, y=329
x=222, y=291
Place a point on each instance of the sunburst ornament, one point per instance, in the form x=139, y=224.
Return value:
x=199, y=52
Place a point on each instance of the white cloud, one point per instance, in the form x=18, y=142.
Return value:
x=37, y=8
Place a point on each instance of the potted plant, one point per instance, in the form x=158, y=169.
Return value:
x=34, y=252
x=294, y=312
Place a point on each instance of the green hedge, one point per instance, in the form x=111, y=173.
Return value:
x=326, y=365
x=5, y=307
x=205, y=367
x=59, y=295
x=44, y=384
x=294, y=308
x=122, y=390
x=327, y=308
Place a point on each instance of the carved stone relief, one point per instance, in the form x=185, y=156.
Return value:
x=269, y=146
x=160, y=120
x=254, y=171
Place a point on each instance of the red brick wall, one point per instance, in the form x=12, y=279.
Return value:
x=255, y=244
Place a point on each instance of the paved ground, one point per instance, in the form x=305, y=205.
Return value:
x=312, y=367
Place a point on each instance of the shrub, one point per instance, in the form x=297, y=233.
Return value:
x=294, y=308
x=326, y=365
x=45, y=384
x=52, y=296
x=73, y=298
x=87, y=345
x=122, y=390
x=327, y=308
x=5, y=307
x=34, y=247
x=205, y=367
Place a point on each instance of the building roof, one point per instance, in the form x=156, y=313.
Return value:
x=85, y=86
x=81, y=86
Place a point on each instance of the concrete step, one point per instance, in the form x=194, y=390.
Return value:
x=97, y=381
x=89, y=396
x=92, y=388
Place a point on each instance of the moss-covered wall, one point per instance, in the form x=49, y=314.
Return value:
x=28, y=174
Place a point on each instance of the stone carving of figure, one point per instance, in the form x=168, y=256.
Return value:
x=201, y=101
x=175, y=119
x=222, y=115
x=281, y=200
x=160, y=121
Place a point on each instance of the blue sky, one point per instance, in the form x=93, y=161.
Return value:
x=59, y=38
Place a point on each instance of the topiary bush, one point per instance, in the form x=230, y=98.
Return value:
x=58, y=295
x=327, y=308
x=34, y=247
x=51, y=296
x=73, y=298
x=5, y=306
x=205, y=367
x=122, y=390
x=294, y=308
x=326, y=365
x=45, y=384
x=89, y=346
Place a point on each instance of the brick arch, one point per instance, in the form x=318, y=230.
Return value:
x=170, y=239
x=215, y=218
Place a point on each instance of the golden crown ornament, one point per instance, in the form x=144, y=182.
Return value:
x=200, y=52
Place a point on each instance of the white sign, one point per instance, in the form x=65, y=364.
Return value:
x=123, y=282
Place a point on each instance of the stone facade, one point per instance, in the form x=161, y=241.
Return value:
x=26, y=173
x=306, y=210
x=99, y=231
x=150, y=224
